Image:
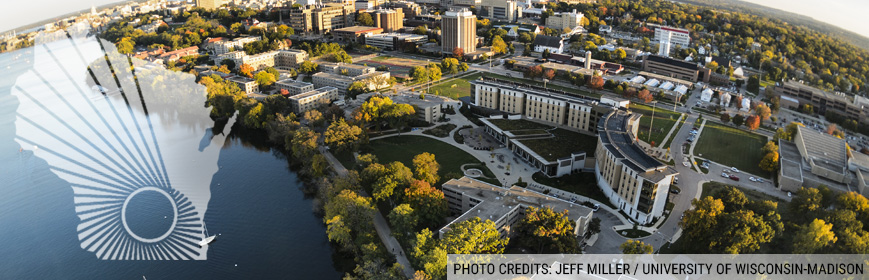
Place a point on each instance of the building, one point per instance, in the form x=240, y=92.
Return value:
x=845, y=106
x=294, y=87
x=560, y=21
x=394, y=41
x=210, y=4
x=427, y=110
x=410, y=9
x=321, y=19
x=813, y=159
x=553, y=44
x=355, y=34
x=287, y=59
x=632, y=180
x=345, y=69
x=508, y=10
x=467, y=3
x=178, y=54
x=245, y=84
x=459, y=27
x=675, y=36
x=471, y=198
x=305, y=101
x=375, y=80
x=223, y=46
x=389, y=20
x=675, y=68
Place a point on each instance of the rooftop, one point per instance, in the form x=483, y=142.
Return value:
x=616, y=135
x=358, y=29
x=549, y=41
x=562, y=144
x=497, y=201
x=321, y=90
x=823, y=150
x=293, y=83
x=842, y=97
x=673, y=62
x=790, y=160
x=520, y=124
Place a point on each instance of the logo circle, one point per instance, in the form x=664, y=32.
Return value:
x=174, y=216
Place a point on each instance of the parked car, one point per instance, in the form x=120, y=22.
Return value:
x=734, y=170
x=675, y=190
x=733, y=177
x=685, y=163
x=752, y=179
x=759, y=180
x=725, y=175
x=596, y=207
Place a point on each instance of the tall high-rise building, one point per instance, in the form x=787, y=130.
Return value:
x=389, y=20
x=676, y=36
x=459, y=27
x=509, y=10
x=321, y=18
x=664, y=44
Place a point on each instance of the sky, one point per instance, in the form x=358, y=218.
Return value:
x=848, y=14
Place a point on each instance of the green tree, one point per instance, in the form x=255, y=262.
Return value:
x=753, y=84
x=343, y=136
x=364, y=19
x=313, y=117
x=396, y=176
x=544, y=228
x=308, y=67
x=725, y=118
x=855, y=202
x=474, y=236
x=425, y=168
x=304, y=143
x=450, y=65
x=403, y=219
x=813, y=237
x=420, y=74
x=398, y=115
x=738, y=120
x=636, y=247
x=732, y=198
x=319, y=166
x=701, y=220
x=264, y=79
x=770, y=162
x=434, y=72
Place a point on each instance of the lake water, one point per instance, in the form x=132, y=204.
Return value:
x=265, y=223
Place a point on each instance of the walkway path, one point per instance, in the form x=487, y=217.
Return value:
x=380, y=224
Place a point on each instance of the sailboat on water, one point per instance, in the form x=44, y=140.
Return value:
x=208, y=239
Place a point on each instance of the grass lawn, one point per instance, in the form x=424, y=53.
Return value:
x=562, y=145
x=664, y=121
x=404, y=148
x=634, y=233
x=520, y=124
x=455, y=88
x=681, y=123
x=732, y=147
x=381, y=58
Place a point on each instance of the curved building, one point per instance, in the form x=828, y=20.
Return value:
x=632, y=180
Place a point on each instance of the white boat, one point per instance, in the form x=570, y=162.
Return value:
x=207, y=240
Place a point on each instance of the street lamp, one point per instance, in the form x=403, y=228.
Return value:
x=652, y=121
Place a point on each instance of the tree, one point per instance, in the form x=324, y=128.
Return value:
x=314, y=117
x=549, y=74
x=636, y=247
x=770, y=163
x=813, y=237
x=807, y=201
x=343, y=136
x=464, y=67
x=403, y=219
x=741, y=232
x=596, y=82
x=342, y=57
x=645, y=95
x=763, y=111
x=308, y=67
x=319, y=166
x=364, y=19
x=855, y=202
x=458, y=53
x=700, y=221
x=429, y=202
x=264, y=79
x=126, y=46
x=546, y=53
x=425, y=168
x=393, y=176
x=498, y=45
x=544, y=228
x=620, y=54
x=356, y=212
x=236, y=27
x=769, y=147
x=304, y=143
x=752, y=122
x=398, y=115
x=738, y=120
x=474, y=236
x=732, y=198
x=434, y=72
x=357, y=88
x=533, y=72
x=725, y=118
x=429, y=255
x=753, y=84
x=421, y=30
x=246, y=70
x=419, y=74
x=450, y=65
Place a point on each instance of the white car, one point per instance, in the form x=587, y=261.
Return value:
x=752, y=179
x=759, y=180
x=685, y=163
x=724, y=175
x=734, y=169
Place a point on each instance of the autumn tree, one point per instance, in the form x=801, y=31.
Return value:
x=458, y=53
x=636, y=247
x=385, y=181
x=763, y=111
x=246, y=70
x=533, y=72
x=770, y=146
x=355, y=216
x=813, y=237
x=343, y=136
x=498, y=45
x=364, y=19
x=313, y=117
x=429, y=202
x=549, y=74
x=474, y=236
x=752, y=122
x=770, y=162
x=308, y=67
x=645, y=95
x=596, y=82
x=701, y=220
x=425, y=168
x=450, y=65
x=304, y=143
x=543, y=228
